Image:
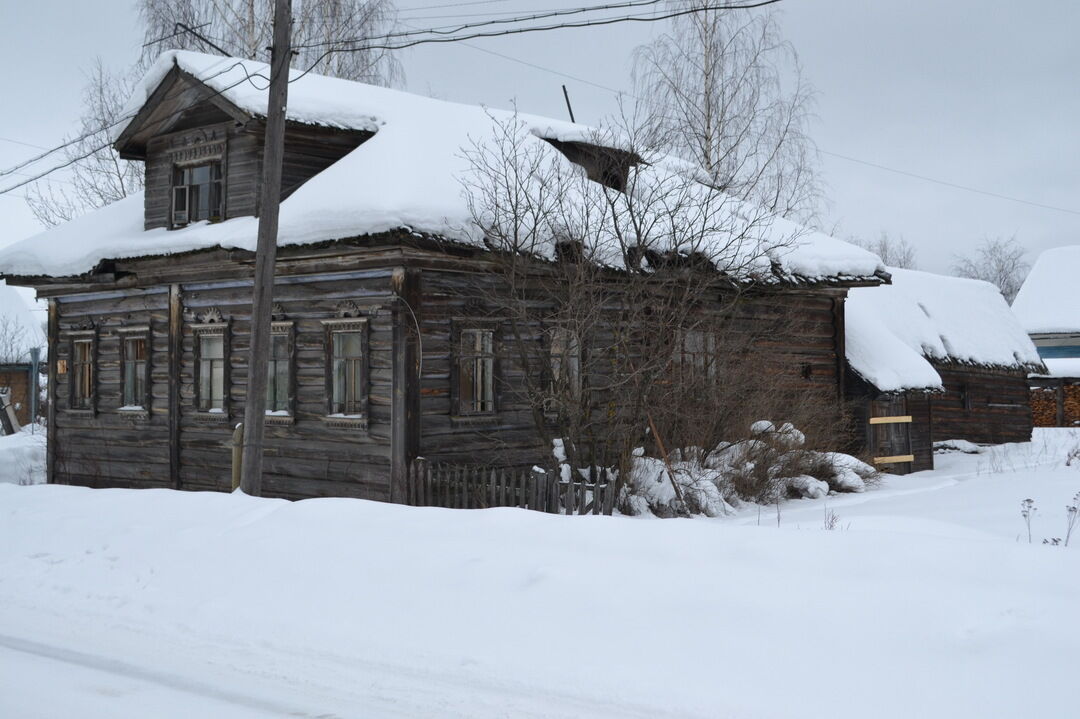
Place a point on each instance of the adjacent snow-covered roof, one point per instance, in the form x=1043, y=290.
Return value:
x=894, y=331
x=407, y=176
x=1060, y=367
x=1049, y=301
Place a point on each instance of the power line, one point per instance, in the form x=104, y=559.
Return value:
x=946, y=183
x=524, y=30
x=27, y=144
x=905, y=173
x=162, y=121
x=14, y=169
x=453, y=4
x=450, y=29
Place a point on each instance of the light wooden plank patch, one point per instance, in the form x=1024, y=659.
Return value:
x=894, y=459
x=891, y=420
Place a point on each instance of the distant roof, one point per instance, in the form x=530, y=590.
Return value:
x=893, y=332
x=407, y=176
x=1049, y=301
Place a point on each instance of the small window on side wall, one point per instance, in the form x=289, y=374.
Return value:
x=347, y=371
x=565, y=364
x=135, y=369
x=475, y=372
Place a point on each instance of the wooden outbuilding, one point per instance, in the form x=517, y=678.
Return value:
x=379, y=354
x=936, y=358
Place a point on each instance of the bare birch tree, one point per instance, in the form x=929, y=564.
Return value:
x=620, y=285
x=997, y=260
x=98, y=176
x=243, y=29
x=725, y=91
x=893, y=251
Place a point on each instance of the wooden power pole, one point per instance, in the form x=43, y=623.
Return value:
x=266, y=251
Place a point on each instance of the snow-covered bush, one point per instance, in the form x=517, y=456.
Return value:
x=651, y=487
x=771, y=465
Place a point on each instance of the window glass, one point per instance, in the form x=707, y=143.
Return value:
x=197, y=193
x=347, y=356
x=565, y=362
x=476, y=372
x=211, y=373
x=134, y=371
x=83, y=380
x=277, y=379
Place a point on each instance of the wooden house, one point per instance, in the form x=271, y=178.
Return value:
x=935, y=358
x=378, y=356
x=1048, y=308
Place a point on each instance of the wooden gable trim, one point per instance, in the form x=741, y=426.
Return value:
x=188, y=91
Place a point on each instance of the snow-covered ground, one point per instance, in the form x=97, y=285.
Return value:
x=22, y=456
x=926, y=600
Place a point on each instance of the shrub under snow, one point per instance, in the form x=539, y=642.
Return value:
x=769, y=466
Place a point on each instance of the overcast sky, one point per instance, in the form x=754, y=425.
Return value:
x=972, y=92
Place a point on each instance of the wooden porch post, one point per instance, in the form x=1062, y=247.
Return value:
x=405, y=398
x=176, y=351
x=50, y=429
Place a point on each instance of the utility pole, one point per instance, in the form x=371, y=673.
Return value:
x=266, y=251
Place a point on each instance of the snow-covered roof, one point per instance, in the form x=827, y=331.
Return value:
x=1060, y=367
x=1049, y=302
x=893, y=332
x=407, y=176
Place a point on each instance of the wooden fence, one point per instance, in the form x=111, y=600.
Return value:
x=458, y=487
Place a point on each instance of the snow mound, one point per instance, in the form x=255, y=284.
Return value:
x=22, y=457
x=1048, y=301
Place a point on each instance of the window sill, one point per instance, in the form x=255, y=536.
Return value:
x=80, y=412
x=134, y=413
x=211, y=417
x=359, y=422
x=475, y=419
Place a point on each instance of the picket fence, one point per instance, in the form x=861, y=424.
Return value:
x=462, y=487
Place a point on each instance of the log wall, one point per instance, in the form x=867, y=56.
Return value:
x=982, y=405
x=310, y=456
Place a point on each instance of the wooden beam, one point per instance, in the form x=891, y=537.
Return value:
x=900, y=419
x=895, y=459
x=50, y=431
x=405, y=397
x=176, y=351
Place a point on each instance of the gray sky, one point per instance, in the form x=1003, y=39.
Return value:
x=979, y=93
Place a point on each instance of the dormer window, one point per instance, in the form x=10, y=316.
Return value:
x=196, y=193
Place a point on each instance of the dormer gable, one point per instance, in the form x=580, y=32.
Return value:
x=203, y=154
